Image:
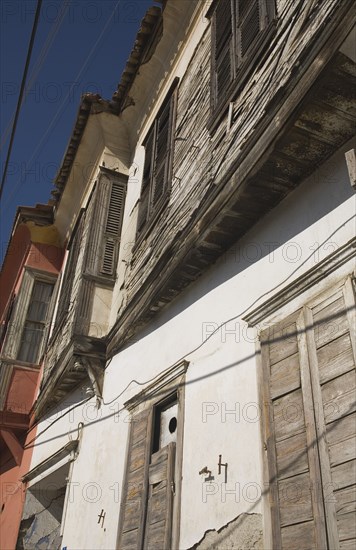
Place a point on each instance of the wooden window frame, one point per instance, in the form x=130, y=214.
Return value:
x=241, y=63
x=149, y=208
x=13, y=336
x=37, y=325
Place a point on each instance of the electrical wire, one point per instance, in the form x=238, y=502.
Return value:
x=62, y=106
x=53, y=422
x=183, y=357
x=39, y=61
x=237, y=316
x=22, y=88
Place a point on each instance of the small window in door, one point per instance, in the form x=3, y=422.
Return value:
x=165, y=424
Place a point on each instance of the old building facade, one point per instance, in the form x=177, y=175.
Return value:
x=29, y=273
x=199, y=368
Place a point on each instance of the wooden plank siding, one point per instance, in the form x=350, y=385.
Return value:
x=312, y=423
x=217, y=194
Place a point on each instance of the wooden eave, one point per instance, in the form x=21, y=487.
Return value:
x=145, y=43
x=313, y=117
x=148, y=36
x=90, y=104
x=41, y=214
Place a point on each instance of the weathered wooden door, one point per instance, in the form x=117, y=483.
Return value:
x=309, y=384
x=160, y=499
x=146, y=516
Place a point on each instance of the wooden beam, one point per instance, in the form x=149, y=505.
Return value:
x=13, y=444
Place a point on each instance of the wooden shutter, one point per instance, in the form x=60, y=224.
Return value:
x=160, y=499
x=223, y=64
x=249, y=19
x=134, y=495
x=309, y=387
x=112, y=231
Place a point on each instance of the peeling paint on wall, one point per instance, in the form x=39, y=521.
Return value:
x=242, y=533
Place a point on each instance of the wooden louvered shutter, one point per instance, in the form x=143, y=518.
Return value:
x=146, y=182
x=249, y=18
x=112, y=229
x=223, y=64
x=310, y=426
x=134, y=494
x=160, y=499
x=70, y=269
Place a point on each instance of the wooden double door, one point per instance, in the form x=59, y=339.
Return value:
x=308, y=391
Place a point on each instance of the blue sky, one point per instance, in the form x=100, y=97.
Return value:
x=81, y=46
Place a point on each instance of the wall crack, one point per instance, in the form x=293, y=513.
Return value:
x=241, y=533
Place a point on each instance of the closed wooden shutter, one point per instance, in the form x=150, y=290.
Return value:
x=134, y=495
x=112, y=230
x=104, y=217
x=223, y=51
x=160, y=499
x=309, y=388
x=248, y=25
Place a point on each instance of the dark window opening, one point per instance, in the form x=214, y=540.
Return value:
x=237, y=29
x=165, y=423
x=157, y=170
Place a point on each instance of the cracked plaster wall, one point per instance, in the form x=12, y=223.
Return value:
x=242, y=533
